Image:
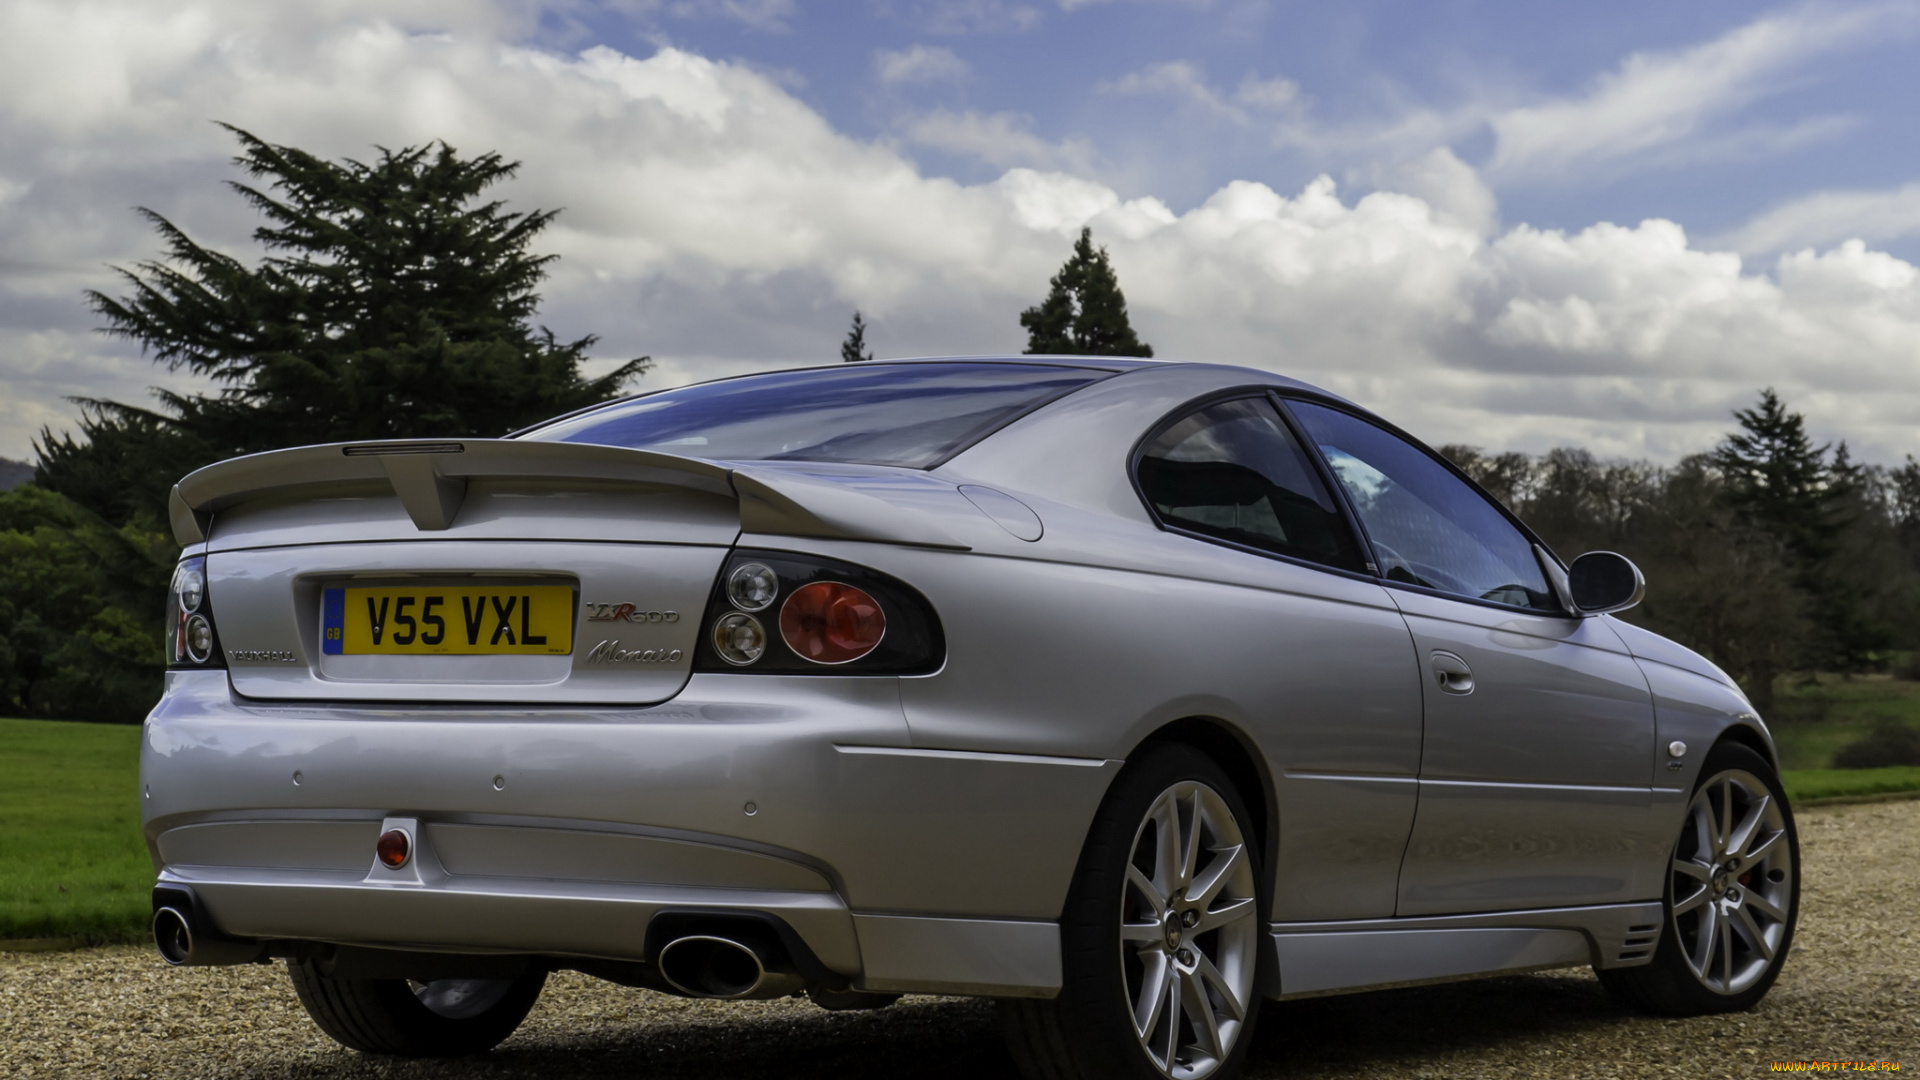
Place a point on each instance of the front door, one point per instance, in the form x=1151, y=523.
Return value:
x=1537, y=759
x=1334, y=688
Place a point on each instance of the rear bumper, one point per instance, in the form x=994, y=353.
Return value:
x=501, y=915
x=564, y=832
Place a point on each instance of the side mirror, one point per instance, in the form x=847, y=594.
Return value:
x=1601, y=581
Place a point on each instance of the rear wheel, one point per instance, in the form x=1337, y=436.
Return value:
x=1160, y=939
x=1733, y=887
x=442, y=1018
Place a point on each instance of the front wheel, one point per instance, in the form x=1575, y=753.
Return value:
x=443, y=1018
x=1733, y=889
x=1160, y=939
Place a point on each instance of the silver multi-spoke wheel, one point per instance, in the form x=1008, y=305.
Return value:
x=1189, y=931
x=1732, y=882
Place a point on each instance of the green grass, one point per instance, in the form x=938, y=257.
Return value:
x=1811, y=719
x=1845, y=783
x=72, y=863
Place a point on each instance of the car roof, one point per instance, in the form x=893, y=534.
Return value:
x=1118, y=365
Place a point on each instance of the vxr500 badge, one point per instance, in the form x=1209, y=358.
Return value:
x=627, y=613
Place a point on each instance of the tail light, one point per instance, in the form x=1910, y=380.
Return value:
x=779, y=613
x=831, y=622
x=192, y=641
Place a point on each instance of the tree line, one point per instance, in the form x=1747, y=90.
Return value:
x=1768, y=554
x=394, y=298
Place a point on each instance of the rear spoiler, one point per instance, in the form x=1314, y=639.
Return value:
x=430, y=478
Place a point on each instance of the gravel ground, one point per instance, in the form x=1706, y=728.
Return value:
x=1851, y=991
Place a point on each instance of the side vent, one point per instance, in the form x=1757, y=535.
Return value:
x=1639, y=941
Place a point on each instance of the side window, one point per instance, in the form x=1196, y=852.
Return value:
x=1233, y=470
x=1428, y=527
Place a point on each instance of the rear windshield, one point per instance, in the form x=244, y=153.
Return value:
x=914, y=415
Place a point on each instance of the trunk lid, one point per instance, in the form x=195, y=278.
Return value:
x=489, y=570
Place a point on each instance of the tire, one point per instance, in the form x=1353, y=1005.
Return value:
x=444, y=1018
x=1142, y=934
x=1732, y=895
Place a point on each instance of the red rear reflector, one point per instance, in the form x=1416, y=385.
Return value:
x=828, y=622
x=394, y=848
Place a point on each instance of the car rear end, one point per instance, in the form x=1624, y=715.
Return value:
x=436, y=706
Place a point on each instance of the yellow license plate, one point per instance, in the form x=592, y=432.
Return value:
x=429, y=620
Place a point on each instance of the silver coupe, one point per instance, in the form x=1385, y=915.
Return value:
x=1131, y=693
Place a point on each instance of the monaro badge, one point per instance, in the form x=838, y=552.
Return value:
x=610, y=652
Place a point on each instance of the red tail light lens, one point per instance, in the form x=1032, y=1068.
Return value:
x=783, y=613
x=829, y=622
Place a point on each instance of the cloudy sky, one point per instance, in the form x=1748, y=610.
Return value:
x=1508, y=223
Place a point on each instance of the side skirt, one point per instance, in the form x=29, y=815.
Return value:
x=1370, y=954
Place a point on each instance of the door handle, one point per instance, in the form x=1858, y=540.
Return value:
x=1453, y=674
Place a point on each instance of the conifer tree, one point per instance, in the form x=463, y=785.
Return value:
x=1085, y=313
x=855, y=347
x=392, y=301
x=1778, y=481
x=1776, y=476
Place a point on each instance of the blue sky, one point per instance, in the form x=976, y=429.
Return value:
x=1826, y=115
x=1517, y=225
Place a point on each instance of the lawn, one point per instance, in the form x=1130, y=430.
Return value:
x=1813, y=718
x=1804, y=784
x=72, y=863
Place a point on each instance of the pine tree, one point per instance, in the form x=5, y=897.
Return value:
x=391, y=302
x=855, y=347
x=1085, y=313
x=1776, y=477
x=1779, y=482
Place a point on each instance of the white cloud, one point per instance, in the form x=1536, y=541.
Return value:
x=1185, y=81
x=1277, y=94
x=719, y=223
x=1002, y=140
x=919, y=64
x=1451, y=187
x=1656, y=110
x=1181, y=80
x=1655, y=100
x=1827, y=217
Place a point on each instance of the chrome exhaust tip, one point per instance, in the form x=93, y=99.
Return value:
x=186, y=939
x=706, y=966
x=173, y=935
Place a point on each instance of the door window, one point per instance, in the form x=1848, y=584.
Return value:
x=1232, y=470
x=1428, y=526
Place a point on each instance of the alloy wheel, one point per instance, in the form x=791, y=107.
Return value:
x=1732, y=882
x=1189, y=931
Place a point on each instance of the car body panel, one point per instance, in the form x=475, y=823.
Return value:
x=1695, y=705
x=1534, y=786
x=1315, y=959
x=268, y=603
x=823, y=761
